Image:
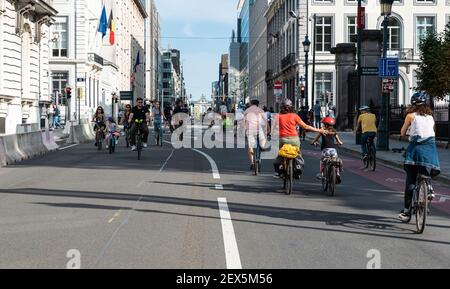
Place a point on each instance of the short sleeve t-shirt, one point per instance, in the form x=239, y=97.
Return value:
x=368, y=122
x=288, y=124
x=139, y=113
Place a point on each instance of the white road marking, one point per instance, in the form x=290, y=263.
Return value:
x=67, y=147
x=214, y=168
x=229, y=239
x=219, y=187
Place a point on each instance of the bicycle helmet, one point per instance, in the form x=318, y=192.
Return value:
x=110, y=119
x=329, y=121
x=419, y=98
x=364, y=107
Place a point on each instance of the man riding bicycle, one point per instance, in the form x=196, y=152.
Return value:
x=158, y=119
x=136, y=120
x=255, y=123
x=367, y=122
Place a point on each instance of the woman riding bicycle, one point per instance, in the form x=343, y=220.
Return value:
x=99, y=119
x=421, y=154
x=367, y=123
x=158, y=119
x=328, y=145
x=288, y=122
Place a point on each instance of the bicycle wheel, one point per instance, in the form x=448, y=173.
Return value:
x=139, y=145
x=332, y=180
x=422, y=206
x=127, y=137
x=99, y=141
x=289, y=177
x=111, y=145
x=325, y=178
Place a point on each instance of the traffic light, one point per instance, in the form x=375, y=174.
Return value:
x=68, y=92
x=302, y=91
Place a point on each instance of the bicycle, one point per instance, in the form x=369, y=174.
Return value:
x=159, y=133
x=139, y=145
x=127, y=136
x=370, y=160
x=420, y=204
x=257, y=157
x=99, y=136
x=288, y=175
x=112, y=143
x=330, y=166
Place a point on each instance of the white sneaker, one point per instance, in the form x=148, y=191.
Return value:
x=117, y=142
x=133, y=148
x=145, y=145
x=107, y=146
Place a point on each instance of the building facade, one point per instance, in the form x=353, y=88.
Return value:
x=258, y=53
x=336, y=23
x=152, y=52
x=24, y=67
x=85, y=59
x=172, y=77
x=234, y=71
x=243, y=39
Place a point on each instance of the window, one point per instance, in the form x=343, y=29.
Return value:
x=59, y=84
x=324, y=87
x=394, y=34
x=352, y=28
x=60, y=43
x=324, y=33
x=424, y=25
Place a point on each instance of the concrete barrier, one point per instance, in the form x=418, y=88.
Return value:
x=18, y=147
x=48, y=139
x=82, y=133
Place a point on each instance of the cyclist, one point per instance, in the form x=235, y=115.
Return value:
x=158, y=119
x=111, y=131
x=139, y=113
x=421, y=154
x=255, y=123
x=180, y=114
x=99, y=119
x=288, y=122
x=367, y=122
x=329, y=145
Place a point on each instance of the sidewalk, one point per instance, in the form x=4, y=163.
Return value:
x=391, y=158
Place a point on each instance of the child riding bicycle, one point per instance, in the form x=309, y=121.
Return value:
x=329, y=144
x=112, y=130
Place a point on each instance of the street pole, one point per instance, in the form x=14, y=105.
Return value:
x=383, y=138
x=306, y=70
x=314, y=60
x=358, y=96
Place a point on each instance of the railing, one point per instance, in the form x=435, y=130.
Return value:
x=288, y=61
x=93, y=57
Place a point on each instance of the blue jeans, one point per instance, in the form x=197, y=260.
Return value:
x=365, y=138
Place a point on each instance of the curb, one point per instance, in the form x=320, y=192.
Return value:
x=392, y=164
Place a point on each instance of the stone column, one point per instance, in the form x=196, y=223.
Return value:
x=371, y=51
x=345, y=64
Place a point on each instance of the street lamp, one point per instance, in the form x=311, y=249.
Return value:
x=383, y=139
x=306, y=48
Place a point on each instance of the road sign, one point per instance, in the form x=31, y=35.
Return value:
x=389, y=67
x=370, y=71
x=278, y=85
x=126, y=95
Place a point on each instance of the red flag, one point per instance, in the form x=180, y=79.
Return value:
x=112, y=28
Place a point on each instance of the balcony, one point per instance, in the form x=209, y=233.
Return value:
x=402, y=54
x=288, y=61
x=95, y=58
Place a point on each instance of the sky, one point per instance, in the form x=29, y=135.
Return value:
x=198, y=19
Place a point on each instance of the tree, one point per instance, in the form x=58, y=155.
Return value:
x=433, y=75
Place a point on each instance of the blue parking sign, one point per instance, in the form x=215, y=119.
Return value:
x=389, y=67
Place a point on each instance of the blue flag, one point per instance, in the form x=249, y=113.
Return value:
x=138, y=62
x=103, y=26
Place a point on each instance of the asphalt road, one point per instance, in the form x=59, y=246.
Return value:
x=169, y=210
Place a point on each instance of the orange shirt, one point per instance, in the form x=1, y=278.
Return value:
x=288, y=124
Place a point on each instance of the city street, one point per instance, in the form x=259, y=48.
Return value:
x=170, y=210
